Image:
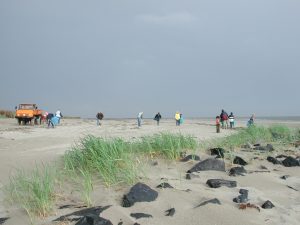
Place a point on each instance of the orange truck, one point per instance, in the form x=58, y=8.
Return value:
x=28, y=113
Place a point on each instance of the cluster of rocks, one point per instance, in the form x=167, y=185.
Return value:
x=287, y=161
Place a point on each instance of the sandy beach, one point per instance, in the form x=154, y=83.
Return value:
x=21, y=147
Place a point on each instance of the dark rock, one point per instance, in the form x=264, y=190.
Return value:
x=284, y=177
x=212, y=201
x=267, y=205
x=273, y=160
x=136, y=224
x=190, y=157
x=139, y=193
x=243, y=198
x=292, y=188
x=2, y=220
x=235, y=171
x=219, y=152
x=244, y=192
x=170, y=212
x=92, y=219
x=257, y=145
x=268, y=147
x=290, y=162
x=72, y=206
x=120, y=223
x=164, y=185
x=238, y=160
x=208, y=164
x=216, y=183
x=240, y=199
x=140, y=215
x=189, y=176
x=89, y=211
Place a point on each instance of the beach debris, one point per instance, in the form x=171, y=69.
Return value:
x=189, y=176
x=75, y=216
x=190, y=157
x=170, y=212
x=219, y=152
x=235, y=171
x=240, y=161
x=243, y=197
x=292, y=188
x=92, y=219
x=211, y=201
x=284, y=177
x=248, y=205
x=290, y=162
x=3, y=219
x=140, y=215
x=139, y=193
x=268, y=205
x=216, y=183
x=273, y=160
x=164, y=185
x=208, y=164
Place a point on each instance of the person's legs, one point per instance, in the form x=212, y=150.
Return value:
x=139, y=122
x=157, y=122
x=218, y=128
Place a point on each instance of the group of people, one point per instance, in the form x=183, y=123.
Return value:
x=53, y=119
x=225, y=121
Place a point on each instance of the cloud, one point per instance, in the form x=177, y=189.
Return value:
x=171, y=18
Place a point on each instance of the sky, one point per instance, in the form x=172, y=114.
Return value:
x=123, y=57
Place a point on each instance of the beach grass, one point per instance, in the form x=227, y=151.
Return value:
x=34, y=190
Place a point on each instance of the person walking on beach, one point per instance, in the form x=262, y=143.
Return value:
x=99, y=117
x=177, y=118
x=231, y=120
x=50, y=116
x=157, y=118
x=251, y=121
x=224, y=119
x=58, y=115
x=181, y=119
x=218, y=124
x=139, y=119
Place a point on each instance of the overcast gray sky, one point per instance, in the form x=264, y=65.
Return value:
x=122, y=57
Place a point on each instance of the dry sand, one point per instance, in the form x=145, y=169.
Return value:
x=23, y=146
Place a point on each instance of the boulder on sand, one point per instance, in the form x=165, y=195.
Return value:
x=268, y=205
x=273, y=160
x=140, y=215
x=238, y=160
x=139, y=193
x=92, y=219
x=216, y=183
x=243, y=197
x=290, y=162
x=237, y=171
x=208, y=164
x=164, y=185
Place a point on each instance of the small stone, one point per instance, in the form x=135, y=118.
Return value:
x=164, y=185
x=212, y=201
x=284, y=177
x=92, y=219
x=216, y=183
x=155, y=163
x=238, y=160
x=263, y=167
x=244, y=192
x=189, y=176
x=140, y=215
x=170, y=212
x=2, y=220
x=267, y=205
x=269, y=147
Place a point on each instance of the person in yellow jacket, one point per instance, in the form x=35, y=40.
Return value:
x=177, y=118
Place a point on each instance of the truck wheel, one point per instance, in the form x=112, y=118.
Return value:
x=19, y=121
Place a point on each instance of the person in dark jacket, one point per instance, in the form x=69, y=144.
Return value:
x=157, y=118
x=224, y=119
x=99, y=117
x=49, y=119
